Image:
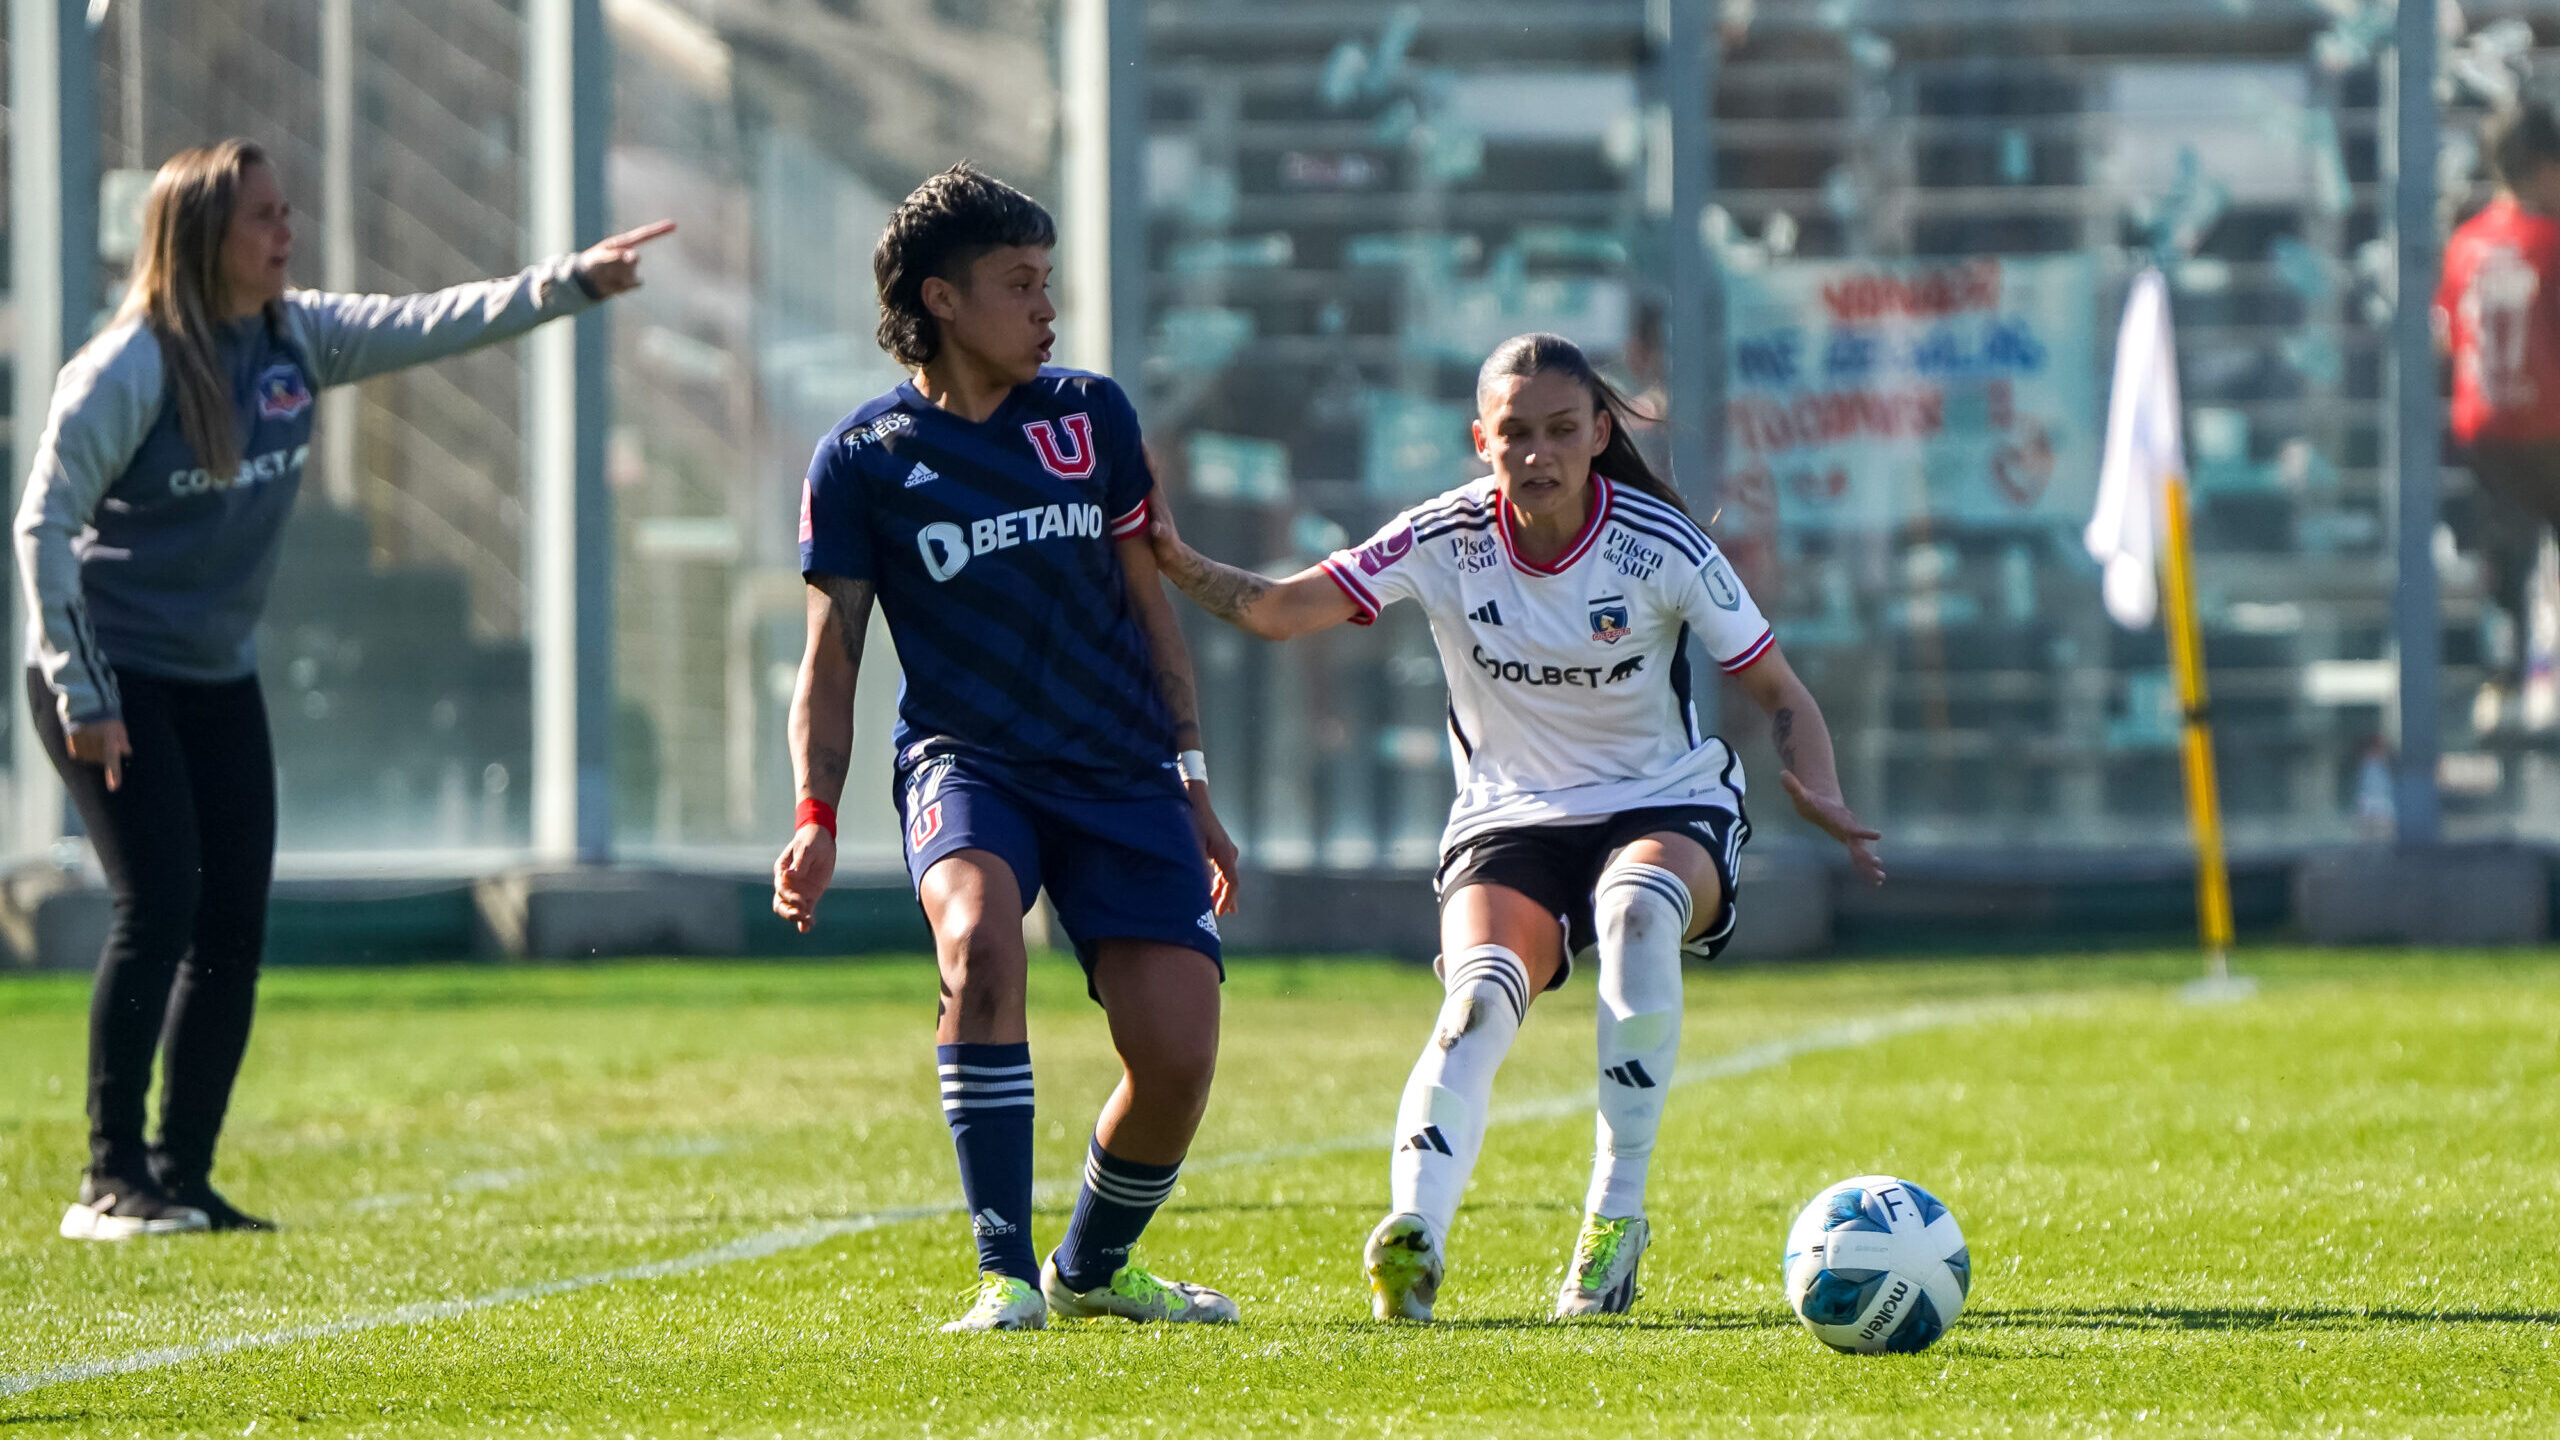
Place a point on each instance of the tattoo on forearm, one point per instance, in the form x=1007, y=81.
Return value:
x=1178, y=698
x=843, y=606
x=1782, y=732
x=1223, y=590
x=827, y=768
x=1181, y=701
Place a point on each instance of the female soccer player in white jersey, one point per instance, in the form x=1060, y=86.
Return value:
x=1562, y=591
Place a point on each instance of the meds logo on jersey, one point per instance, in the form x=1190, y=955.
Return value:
x=896, y=422
x=1386, y=550
x=1609, y=620
x=1721, y=586
x=1068, y=459
x=281, y=393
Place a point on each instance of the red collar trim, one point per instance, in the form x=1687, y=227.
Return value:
x=1581, y=543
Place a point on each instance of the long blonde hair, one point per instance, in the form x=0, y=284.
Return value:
x=177, y=289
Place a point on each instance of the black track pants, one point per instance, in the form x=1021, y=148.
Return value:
x=188, y=842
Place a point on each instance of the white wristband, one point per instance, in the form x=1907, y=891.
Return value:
x=1194, y=766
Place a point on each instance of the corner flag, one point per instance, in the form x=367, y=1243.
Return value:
x=2143, y=454
x=2139, y=534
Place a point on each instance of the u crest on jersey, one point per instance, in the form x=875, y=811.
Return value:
x=1070, y=457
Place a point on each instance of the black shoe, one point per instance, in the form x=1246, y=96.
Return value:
x=220, y=1213
x=117, y=1207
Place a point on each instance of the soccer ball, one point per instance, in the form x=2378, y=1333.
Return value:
x=1876, y=1264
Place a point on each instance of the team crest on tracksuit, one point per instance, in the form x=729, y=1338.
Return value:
x=282, y=395
x=1609, y=619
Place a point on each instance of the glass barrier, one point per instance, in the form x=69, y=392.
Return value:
x=1925, y=219
x=780, y=162
x=1925, y=216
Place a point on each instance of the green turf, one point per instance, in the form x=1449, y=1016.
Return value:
x=2327, y=1210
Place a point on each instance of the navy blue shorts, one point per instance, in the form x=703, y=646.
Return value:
x=1122, y=867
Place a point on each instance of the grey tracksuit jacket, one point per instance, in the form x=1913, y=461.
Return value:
x=131, y=555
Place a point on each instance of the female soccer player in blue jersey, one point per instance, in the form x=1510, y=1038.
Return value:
x=145, y=541
x=1562, y=592
x=996, y=508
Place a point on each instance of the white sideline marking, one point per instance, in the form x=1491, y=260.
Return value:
x=1850, y=1035
x=753, y=1247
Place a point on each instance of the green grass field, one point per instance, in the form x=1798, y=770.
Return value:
x=658, y=1200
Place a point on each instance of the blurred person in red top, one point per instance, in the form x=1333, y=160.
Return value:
x=2498, y=313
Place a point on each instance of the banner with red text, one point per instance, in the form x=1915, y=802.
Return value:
x=1874, y=394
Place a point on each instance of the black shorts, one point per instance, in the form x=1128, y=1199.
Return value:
x=1558, y=866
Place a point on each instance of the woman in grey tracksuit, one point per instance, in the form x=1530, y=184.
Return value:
x=145, y=544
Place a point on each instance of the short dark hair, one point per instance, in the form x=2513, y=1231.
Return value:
x=941, y=230
x=2522, y=139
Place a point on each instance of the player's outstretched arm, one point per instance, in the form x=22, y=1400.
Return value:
x=1811, y=774
x=1256, y=604
x=821, y=738
x=1169, y=660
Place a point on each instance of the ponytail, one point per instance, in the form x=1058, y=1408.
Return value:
x=1536, y=353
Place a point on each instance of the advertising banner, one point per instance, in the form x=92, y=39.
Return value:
x=1870, y=395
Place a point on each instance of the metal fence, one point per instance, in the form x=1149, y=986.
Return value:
x=1863, y=256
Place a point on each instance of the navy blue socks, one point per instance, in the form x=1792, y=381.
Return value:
x=986, y=1095
x=1119, y=1197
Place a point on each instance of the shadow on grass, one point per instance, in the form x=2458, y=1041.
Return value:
x=2269, y=1317
x=1695, y=1321
x=1359, y=1207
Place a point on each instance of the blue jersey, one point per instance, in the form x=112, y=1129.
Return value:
x=990, y=545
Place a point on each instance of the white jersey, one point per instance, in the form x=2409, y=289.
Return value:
x=1569, y=685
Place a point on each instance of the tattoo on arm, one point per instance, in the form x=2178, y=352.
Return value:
x=1181, y=701
x=1168, y=654
x=851, y=602
x=1222, y=590
x=847, y=610
x=1169, y=659
x=827, y=767
x=1782, y=732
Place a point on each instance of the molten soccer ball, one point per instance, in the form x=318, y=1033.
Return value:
x=1877, y=1264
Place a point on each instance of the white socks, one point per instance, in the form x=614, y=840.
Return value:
x=1440, y=1124
x=1642, y=911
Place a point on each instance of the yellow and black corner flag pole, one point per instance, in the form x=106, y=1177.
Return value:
x=2139, y=534
x=2195, y=739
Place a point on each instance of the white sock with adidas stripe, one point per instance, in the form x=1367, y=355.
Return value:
x=1641, y=912
x=1440, y=1124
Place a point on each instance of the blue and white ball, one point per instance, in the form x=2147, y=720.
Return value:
x=1876, y=1265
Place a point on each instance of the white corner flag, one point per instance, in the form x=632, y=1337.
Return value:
x=2143, y=452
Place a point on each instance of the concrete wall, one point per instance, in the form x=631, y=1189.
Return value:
x=1797, y=900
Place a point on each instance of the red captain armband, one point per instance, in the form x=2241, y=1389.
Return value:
x=816, y=812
